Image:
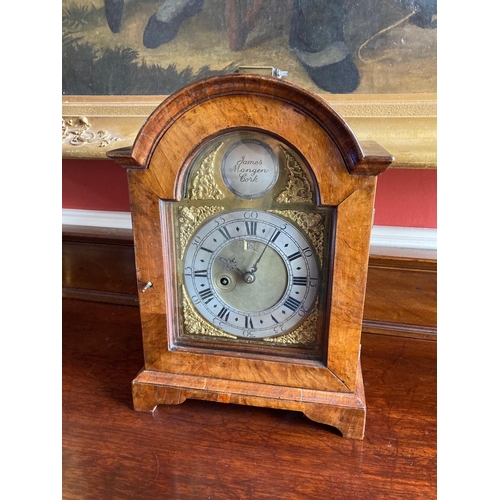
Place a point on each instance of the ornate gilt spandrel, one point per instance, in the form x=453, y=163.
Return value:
x=194, y=324
x=313, y=225
x=305, y=334
x=202, y=182
x=189, y=218
x=298, y=188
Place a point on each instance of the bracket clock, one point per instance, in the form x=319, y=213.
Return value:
x=252, y=205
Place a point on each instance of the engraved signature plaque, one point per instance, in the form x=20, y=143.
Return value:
x=250, y=168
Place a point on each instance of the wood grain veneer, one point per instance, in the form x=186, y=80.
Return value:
x=343, y=172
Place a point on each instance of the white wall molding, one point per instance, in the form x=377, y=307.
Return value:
x=96, y=218
x=404, y=237
x=382, y=236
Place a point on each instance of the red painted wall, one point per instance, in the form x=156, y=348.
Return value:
x=405, y=198
x=94, y=185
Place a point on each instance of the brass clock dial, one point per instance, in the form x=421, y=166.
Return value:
x=251, y=273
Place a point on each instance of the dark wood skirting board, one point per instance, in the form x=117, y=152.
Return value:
x=401, y=296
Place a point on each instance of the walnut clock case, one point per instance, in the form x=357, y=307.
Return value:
x=252, y=205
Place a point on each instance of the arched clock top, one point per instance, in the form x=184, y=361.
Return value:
x=299, y=116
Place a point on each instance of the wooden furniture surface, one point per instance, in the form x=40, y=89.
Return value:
x=204, y=449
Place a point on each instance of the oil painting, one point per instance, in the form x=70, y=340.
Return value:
x=147, y=47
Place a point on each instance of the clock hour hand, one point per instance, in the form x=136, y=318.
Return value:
x=231, y=264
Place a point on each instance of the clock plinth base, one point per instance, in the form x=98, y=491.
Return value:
x=344, y=411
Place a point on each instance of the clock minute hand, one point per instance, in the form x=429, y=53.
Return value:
x=254, y=267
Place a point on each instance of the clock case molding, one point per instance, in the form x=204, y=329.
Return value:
x=330, y=390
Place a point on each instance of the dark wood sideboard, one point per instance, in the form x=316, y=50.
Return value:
x=207, y=450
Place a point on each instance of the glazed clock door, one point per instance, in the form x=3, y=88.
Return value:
x=251, y=243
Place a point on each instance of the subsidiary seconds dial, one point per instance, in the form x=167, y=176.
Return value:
x=251, y=273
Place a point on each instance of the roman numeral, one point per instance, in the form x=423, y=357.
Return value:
x=223, y=314
x=206, y=295
x=225, y=233
x=274, y=319
x=201, y=274
x=206, y=250
x=248, y=322
x=251, y=228
x=294, y=256
x=298, y=280
x=275, y=235
x=292, y=304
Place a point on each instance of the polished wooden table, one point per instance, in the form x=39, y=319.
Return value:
x=219, y=451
